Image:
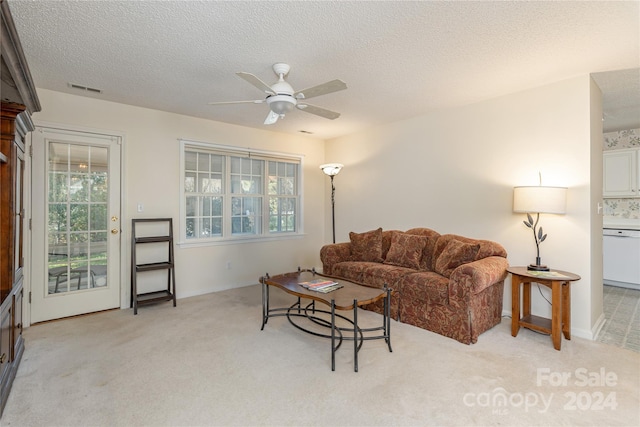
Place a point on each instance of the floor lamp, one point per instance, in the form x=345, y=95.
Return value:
x=331, y=170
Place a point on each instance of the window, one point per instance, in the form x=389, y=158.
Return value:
x=283, y=202
x=231, y=194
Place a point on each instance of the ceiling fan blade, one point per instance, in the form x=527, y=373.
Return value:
x=256, y=82
x=318, y=111
x=323, y=89
x=271, y=118
x=257, y=101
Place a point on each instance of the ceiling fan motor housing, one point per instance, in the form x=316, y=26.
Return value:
x=283, y=101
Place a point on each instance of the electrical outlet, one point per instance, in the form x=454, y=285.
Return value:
x=228, y=265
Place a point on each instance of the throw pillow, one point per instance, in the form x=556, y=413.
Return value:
x=366, y=246
x=454, y=255
x=427, y=253
x=405, y=250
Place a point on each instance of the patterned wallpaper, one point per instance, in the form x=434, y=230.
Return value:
x=622, y=139
x=622, y=208
x=626, y=207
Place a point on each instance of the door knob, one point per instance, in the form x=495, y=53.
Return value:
x=114, y=231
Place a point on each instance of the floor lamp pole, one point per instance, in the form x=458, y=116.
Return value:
x=333, y=209
x=331, y=170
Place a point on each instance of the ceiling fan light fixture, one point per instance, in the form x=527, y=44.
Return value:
x=281, y=97
x=281, y=104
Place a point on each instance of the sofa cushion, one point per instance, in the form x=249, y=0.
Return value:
x=379, y=275
x=454, y=255
x=424, y=287
x=406, y=250
x=366, y=246
x=350, y=270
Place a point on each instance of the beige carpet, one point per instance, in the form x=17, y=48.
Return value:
x=206, y=362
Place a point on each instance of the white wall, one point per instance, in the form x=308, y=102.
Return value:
x=454, y=171
x=152, y=177
x=597, y=203
x=451, y=170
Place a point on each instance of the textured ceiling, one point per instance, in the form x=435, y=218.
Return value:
x=620, y=98
x=398, y=59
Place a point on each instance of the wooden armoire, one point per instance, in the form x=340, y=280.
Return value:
x=18, y=101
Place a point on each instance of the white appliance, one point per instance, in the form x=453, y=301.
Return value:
x=621, y=262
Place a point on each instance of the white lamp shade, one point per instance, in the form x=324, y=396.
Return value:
x=540, y=199
x=331, y=169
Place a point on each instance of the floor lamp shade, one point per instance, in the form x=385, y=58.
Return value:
x=540, y=199
x=331, y=169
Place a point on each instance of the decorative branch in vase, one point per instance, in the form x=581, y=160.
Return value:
x=539, y=237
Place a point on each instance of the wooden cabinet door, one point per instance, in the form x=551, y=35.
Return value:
x=5, y=341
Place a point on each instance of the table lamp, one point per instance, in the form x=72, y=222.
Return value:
x=539, y=200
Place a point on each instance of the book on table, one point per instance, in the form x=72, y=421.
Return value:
x=547, y=274
x=321, y=285
x=327, y=289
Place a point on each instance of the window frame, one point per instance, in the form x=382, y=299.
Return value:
x=227, y=237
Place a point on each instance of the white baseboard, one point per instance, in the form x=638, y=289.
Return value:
x=598, y=326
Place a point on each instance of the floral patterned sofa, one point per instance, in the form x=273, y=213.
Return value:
x=448, y=284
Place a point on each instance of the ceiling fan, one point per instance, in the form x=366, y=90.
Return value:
x=281, y=97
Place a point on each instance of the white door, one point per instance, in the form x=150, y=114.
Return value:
x=75, y=223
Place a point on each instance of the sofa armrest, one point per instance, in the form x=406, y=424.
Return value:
x=474, y=277
x=332, y=254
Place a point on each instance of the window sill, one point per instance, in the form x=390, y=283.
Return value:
x=238, y=240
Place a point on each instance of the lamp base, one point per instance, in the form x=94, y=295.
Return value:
x=535, y=267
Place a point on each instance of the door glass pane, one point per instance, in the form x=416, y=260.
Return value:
x=78, y=184
x=57, y=187
x=78, y=217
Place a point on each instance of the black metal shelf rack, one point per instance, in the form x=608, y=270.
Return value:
x=168, y=294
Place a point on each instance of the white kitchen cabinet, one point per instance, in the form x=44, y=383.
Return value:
x=621, y=173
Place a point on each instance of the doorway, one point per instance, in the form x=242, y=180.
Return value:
x=75, y=223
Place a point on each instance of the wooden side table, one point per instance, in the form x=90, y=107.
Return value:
x=560, y=284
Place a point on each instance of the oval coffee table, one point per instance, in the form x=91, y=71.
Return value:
x=349, y=297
